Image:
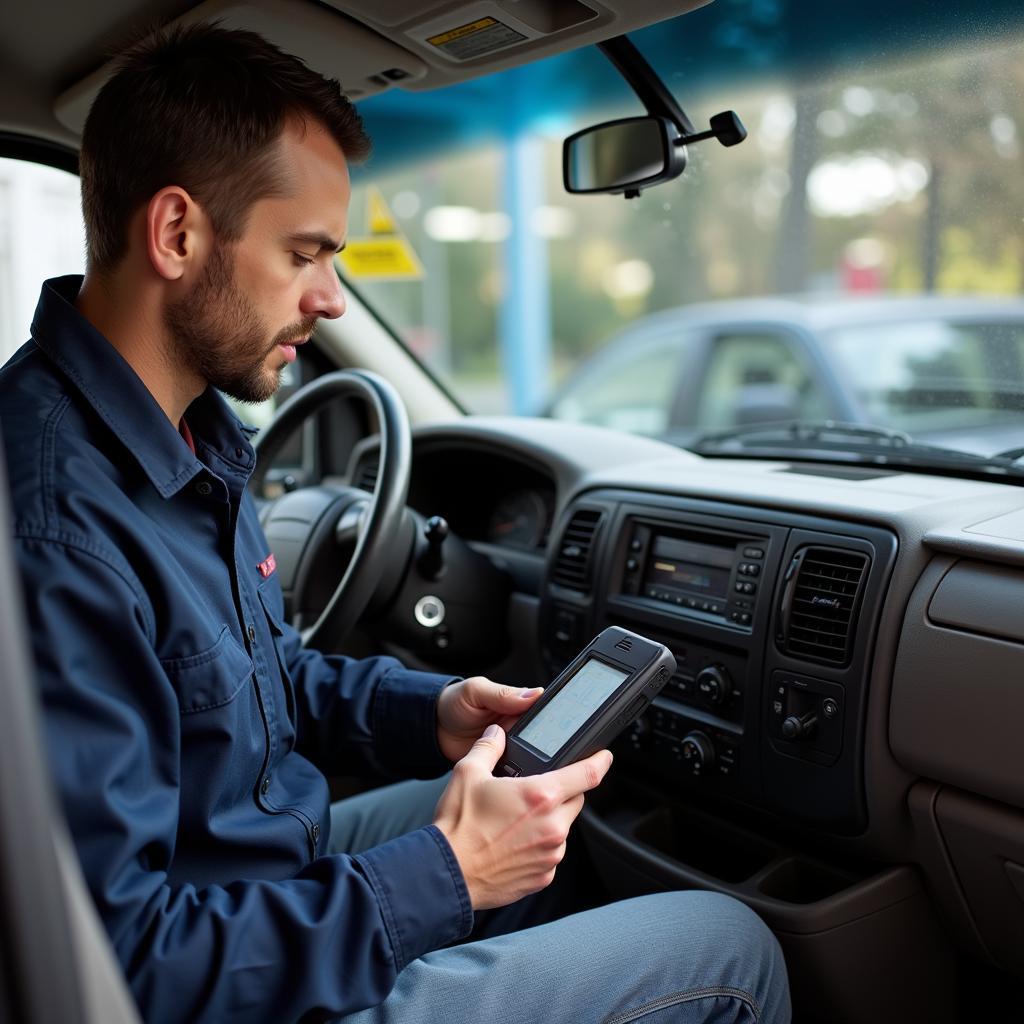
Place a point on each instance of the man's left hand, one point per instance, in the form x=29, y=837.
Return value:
x=467, y=707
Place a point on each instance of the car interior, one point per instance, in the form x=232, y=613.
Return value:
x=839, y=747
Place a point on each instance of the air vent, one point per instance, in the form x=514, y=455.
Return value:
x=625, y=644
x=366, y=476
x=572, y=564
x=820, y=604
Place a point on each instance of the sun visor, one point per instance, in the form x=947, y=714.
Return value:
x=469, y=39
x=328, y=41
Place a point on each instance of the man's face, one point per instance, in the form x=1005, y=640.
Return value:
x=260, y=296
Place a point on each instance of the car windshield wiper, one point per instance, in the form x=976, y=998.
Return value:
x=1011, y=455
x=851, y=441
x=803, y=431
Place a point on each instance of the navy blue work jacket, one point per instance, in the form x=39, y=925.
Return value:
x=188, y=729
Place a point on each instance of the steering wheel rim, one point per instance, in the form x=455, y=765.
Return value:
x=387, y=503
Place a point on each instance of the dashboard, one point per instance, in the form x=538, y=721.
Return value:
x=839, y=746
x=485, y=497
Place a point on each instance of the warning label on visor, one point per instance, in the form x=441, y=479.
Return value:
x=480, y=37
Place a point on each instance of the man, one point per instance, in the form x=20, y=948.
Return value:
x=188, y=728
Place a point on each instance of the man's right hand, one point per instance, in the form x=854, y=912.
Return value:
x=509, y=834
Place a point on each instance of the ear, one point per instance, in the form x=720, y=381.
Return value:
x=177, y=231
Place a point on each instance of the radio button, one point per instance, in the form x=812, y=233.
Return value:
x=632, y=565
x=682, y=684
x=753, y=553
x=565, y=628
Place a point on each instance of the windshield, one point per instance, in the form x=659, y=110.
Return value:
x=806, y=274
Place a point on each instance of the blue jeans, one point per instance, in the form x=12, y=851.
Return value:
x=679, y=957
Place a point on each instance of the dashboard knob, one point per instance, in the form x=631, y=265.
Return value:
x=800, y=727
x=714, y=684
x=698, y=752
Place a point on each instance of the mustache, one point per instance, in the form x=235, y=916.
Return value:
x=294, y=331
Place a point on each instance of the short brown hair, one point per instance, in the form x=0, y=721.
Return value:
x=198, y=106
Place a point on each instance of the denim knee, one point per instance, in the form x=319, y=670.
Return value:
x=724, y=944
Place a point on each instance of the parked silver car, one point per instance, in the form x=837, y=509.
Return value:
x=943, y=370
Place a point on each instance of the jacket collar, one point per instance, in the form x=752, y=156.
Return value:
x=119, y=397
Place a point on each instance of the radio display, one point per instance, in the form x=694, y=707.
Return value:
x=700, y=569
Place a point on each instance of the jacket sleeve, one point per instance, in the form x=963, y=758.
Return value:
x=360, y=714
x=327, y=942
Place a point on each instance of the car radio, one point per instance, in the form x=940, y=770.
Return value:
x=710, y=574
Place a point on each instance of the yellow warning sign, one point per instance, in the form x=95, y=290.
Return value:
x=385, y=252
x=388, y=257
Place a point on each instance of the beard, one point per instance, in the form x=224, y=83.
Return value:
x=218, y=334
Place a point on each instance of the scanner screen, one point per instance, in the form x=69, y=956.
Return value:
x=574, y=703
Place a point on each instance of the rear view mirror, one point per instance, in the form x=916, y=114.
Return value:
x=622, y=156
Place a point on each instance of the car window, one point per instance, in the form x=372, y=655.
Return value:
x=632, y=391
x=756, y=378
x=935, y=375
x=42, y=235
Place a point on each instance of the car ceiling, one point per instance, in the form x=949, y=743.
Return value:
x=52, y=52
x=50, y=76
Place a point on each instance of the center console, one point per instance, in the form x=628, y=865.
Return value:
x=751, y=760
x=770, y=619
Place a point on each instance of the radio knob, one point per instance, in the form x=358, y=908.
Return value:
x=714, y=684
x=698, y=752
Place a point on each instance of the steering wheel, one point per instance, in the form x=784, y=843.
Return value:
x=298, y=522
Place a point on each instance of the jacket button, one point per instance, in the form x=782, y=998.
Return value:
x=316, y=833
x=251, y=630
x=265, y=787
x=204, y=488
